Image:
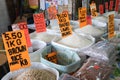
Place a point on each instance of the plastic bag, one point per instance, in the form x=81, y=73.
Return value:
x=67, y=77
x=94, y=69
x=101, y=50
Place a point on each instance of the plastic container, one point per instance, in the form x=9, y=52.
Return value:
x=37, y=46
x=34, y=65
x=67, y=61
x=69, y=46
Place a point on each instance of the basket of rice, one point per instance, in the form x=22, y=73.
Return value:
x=66, y=61
x=75, y=42
x=37, y=71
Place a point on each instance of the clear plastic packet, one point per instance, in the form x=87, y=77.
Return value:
x=102, y=50
x=94, y=69
x=67, y=77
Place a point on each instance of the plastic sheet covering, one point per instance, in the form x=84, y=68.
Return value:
x=94, y=69
x=67, y=77
x=101, y=50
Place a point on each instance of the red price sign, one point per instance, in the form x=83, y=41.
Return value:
x=101, y=9
x=111, y=5
x=116, y=5
x=23, y=26
x=39, y=22
x=106, y=5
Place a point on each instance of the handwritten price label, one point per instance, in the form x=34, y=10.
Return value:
x=16, y=49
x=82, y=16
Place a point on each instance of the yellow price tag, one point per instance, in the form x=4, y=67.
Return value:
x=111, y=26
x=82, y=16
x=16, y=49
x=64, y=24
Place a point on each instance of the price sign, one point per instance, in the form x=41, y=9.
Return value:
x=106, y=6
x=89, y=20
x=52, y=57
x=64, y=24
x=116, y=5
x=82, y=16
x=111, y=5
x=23, y=26
x=39, y=22
x=93, y=9
x=16, y=49
x=101, y=9
x=111, y=26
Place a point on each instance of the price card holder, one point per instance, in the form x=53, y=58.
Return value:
x=39, y=22
x=111, y=26
x=93, y=9
x=64, y=24
x=101, y=9
x=82, y=16
x=16, y=49
x=23, y=26
x=52, y=57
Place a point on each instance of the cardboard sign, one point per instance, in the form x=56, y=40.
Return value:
x=106, y=6
x=64, y=24
x=117, y=5
x=111, y=26
x=93, y=9
x=82, y=16
x=89, y=20
x=16, y=49
x=39, y=21
x=52, y=57
x=111, y=5
x=101, y=9
x=23, y=26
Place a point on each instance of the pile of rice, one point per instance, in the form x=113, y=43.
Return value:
x=35, y=74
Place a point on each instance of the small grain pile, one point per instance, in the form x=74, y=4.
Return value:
x=36, y=74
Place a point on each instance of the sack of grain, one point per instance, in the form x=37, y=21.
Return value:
x=37, y=70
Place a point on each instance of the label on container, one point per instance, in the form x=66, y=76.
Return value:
x=111, y=26
x=93, y=9
x=117, y=5
x=82, y=16
x=23, y=26
x=39, y=22
x=101, y=9
x=52, y=57
x=16, y=49
x=64, y=24
x=111, y=5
